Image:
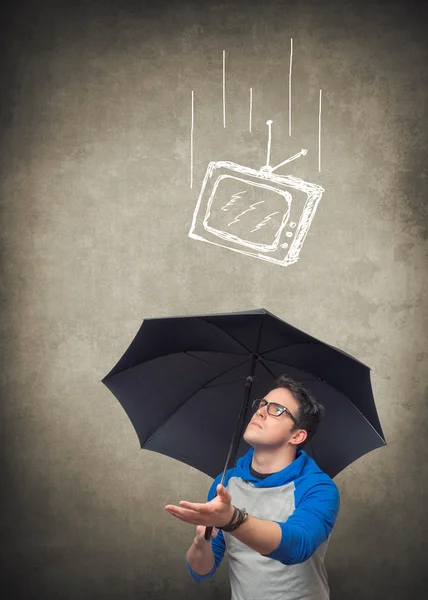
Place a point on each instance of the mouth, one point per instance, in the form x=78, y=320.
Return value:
x=256, y=425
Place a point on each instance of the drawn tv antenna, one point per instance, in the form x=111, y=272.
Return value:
x=267, y=168
x=257, y=213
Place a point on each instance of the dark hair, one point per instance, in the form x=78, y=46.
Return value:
x=310, y=413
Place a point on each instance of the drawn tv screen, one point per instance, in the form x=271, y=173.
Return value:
x=249, y=213
x=258, y=213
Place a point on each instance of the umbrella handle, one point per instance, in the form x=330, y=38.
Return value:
x=209, y=530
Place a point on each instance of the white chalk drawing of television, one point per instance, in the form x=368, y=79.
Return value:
x=255, y=212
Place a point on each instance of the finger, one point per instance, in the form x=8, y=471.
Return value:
x=189, y=516
x=176, y=510
x=177, y=516
x=172, y=507
x=183, y=504
x=203, y=508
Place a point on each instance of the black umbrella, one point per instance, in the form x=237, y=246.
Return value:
x=187, y=385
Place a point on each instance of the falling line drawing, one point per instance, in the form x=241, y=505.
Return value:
x=319, y=134
x=302, y=152
x=267, y=168
x=289, y=87
x=202, y=230
x=223, y=190
x=224, y=88
x=251, y=107
x=191, y=141
x=269, y=124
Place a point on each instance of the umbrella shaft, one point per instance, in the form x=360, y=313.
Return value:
x=240, y=424
x=237, y=433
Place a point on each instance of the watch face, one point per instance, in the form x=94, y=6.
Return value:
x=257, y=213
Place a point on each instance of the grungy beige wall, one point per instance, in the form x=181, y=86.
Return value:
x=96, y=210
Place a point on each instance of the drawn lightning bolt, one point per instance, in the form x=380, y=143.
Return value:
x=232, y=200
x=252, y=207
x=263, y=223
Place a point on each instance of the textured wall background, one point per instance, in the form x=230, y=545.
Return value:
x=96, y=208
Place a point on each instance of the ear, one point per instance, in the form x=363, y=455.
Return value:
x=299, y=437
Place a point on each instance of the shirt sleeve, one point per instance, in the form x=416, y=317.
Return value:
x=310, y=524
x=218, y=544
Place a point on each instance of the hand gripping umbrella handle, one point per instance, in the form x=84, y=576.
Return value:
x=209, y=530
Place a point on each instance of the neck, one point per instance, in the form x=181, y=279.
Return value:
x=271, y=460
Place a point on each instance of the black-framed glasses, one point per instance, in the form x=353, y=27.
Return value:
x=274, y=409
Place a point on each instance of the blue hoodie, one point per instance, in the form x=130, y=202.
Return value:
x=305, y=502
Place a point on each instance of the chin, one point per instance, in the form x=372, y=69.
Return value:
x=247, y=438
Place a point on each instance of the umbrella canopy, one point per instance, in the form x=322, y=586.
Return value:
x=187, y=385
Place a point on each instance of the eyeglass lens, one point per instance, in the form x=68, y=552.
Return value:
x=273, y=409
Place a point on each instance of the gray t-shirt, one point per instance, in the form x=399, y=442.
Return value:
x=304, y=501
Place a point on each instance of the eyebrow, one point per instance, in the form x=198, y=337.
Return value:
x=277, y=403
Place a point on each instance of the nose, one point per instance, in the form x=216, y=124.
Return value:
x=262, y=411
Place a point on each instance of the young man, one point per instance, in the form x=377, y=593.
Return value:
x=276, y=547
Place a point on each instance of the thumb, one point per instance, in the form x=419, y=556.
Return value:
x=223, y=493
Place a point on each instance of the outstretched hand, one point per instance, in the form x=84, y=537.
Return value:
x=216, y=513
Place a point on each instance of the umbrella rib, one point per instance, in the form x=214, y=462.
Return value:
x=216, y=385
x=187, y=352
x=275, y=377
x=260, y=334
x=335, y=389
x=267, y=369
x=291, y=345
x=229, y=334
x=197, y=357
x=189, y=398
x=317, y=343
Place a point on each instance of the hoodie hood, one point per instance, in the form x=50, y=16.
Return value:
x=302, y=465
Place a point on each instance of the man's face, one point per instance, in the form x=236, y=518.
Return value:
x=275, y=432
